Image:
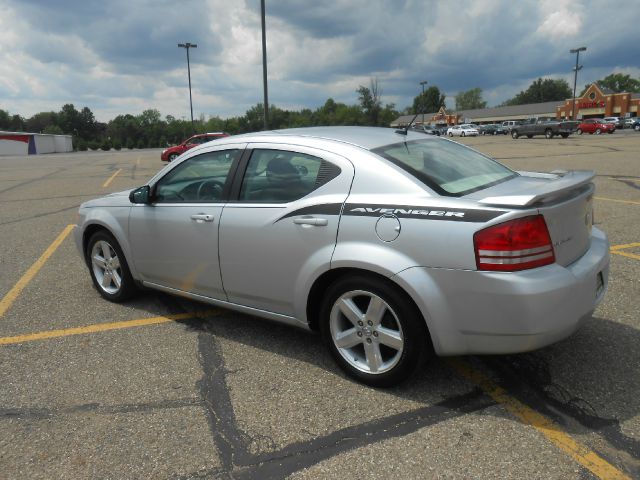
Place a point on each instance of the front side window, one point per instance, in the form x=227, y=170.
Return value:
x=277, y=176
x=200, y=179
x=446, y=167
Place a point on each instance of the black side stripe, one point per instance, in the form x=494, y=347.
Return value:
x=401, y=211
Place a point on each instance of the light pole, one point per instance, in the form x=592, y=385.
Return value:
x=423, y=83
x=187, y=46
x=264, y=67
x=575, y=79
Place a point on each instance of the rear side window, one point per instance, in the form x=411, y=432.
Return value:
x=277, y=176
x=447, y=167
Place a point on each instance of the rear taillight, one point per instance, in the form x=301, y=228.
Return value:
x=514, y=245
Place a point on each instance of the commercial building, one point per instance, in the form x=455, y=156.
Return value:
x=21, y=143
x=595, y=102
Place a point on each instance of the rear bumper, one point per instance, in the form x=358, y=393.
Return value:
x=472, y=312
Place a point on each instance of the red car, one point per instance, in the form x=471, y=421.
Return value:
x=171, y=153
x=595, y=125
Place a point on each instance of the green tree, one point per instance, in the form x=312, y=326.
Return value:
x=41, y=121
x=53, y=130
x=542, y=90
x=370, y=101
x=618, y=82
x=5, y=119
x=470, y=100
x=429, y=102
x=69, y=119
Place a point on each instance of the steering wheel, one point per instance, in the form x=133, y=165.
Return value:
x=209, y=190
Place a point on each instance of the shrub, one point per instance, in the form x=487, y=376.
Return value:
x=94, y=145
x=141, y=143
x=117, y=145
x=81, y=145
x=106, y=145
x=130, y=144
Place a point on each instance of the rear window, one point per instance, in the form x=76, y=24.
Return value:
x=447, y=167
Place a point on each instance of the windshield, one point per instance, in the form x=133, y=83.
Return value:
x=447, y=167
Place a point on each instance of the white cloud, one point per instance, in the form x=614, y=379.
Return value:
x=563, y=18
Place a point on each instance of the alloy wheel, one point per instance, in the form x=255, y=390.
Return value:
x=366, y=332
x=106, y=267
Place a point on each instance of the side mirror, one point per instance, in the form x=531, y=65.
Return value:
x=141, y=195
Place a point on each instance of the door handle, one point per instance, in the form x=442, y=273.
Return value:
x=202, y=217
x=318, y=222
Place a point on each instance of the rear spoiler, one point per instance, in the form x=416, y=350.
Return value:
x=559, y=184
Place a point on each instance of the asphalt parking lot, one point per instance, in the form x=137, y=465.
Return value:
x=161, y=387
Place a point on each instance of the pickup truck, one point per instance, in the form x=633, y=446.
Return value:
x=548, y=128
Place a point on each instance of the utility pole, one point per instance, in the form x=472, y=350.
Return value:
x=264, y=67
x=423, y=83
x=187, y=46
x=577, y=51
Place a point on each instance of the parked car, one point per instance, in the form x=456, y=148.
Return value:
x=462, y=131
x=326, y=227
x=428, y=129
x=492, y=129
x=633, y=122
x=509, y=124
x=616, y=121
x=171, y=153
x=595, y=125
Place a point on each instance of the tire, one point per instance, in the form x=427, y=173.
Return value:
x=610, y=132
x=548, y=134
x=450, y=134
x=495, y=132
x=579, y=131
x=637, y=128
x=514, y=134
x=108, y=268
x=565, y=135
x=529, y=136
x=462, y=134
x=598, y=131
x=384, y=338
x=173, y=156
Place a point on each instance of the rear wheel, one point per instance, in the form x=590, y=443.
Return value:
x=462, y=134
x=637, y=128
x=373, y=330
x=598, y=131
x=173, y=156
x=108, y=267
x=548, y=133
x=579, y=131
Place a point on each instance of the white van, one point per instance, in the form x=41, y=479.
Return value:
x=509, y=124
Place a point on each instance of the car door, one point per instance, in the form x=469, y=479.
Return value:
x=280, y=231
x=175, y=238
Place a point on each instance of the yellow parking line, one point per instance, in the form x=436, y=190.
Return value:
x=616, y=250
x=103, y=327
x=580, y=453
x=10, y=297
x=106, y=184
x=615, y=200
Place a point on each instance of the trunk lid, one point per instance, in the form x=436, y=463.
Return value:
x=565, y=199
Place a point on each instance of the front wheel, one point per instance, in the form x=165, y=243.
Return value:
x=598, y=131
x=548, y=134
x=108, y=267
x=374, y=331
x=173, y=156
x=514, y=134
x=462, y=134
x=579, y=131
x=450, y=134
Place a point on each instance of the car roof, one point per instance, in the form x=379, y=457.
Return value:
x=368, y=138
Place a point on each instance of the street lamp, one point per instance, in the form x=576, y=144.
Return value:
x=264, y=67
x=187, y=46
x=575, y=78
x=423, y=83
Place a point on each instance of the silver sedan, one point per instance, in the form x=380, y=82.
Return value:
x=395, y=246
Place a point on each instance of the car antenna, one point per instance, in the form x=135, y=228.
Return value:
x=403, y=131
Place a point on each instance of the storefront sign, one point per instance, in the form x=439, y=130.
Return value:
x=591, y=104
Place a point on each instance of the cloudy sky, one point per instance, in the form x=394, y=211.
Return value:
x=121, y=56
